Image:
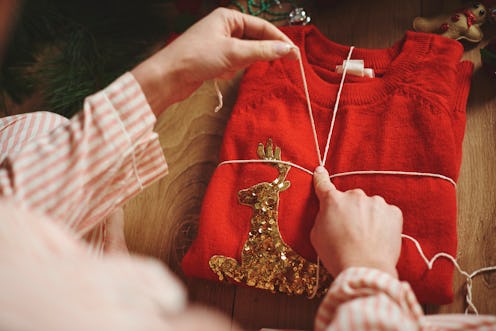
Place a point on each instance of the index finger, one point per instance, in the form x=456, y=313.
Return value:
x=322, y=182
x=250, y=27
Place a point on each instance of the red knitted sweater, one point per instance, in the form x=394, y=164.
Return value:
x=411, y=117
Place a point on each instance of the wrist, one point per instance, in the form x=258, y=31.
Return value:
x=391, y=270
x=368, y=263
x=158, y=80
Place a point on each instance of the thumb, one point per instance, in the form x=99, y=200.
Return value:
x=248, y=51
x=322, y=182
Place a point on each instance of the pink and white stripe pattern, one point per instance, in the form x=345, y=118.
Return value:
x=369, y=299
x=17, y=130
x=77, y=171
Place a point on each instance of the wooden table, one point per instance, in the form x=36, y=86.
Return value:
x=162, y=221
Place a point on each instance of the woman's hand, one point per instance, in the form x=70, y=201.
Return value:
x=216, y=47
x=355, y=230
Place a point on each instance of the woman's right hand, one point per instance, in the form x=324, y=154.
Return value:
x=355, y=230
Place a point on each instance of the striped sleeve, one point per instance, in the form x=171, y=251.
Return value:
x=17, y=130
x=369, y=299
x=83, y=169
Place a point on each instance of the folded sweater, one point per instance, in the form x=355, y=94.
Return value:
x=256, y=217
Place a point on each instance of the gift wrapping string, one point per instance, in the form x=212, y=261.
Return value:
x=429, y=263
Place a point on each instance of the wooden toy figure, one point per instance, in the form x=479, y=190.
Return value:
x=462, y=24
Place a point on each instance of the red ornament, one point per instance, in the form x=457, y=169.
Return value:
x=444, y=27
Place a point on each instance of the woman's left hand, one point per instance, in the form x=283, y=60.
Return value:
x=217, y=46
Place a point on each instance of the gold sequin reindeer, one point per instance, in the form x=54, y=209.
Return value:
x=267, y=262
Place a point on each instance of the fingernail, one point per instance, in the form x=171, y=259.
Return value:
x=282, y=48
x=320, y=170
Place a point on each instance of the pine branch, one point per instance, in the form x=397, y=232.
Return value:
x=70, y=49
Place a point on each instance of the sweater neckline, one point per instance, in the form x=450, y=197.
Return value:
x=320, y=56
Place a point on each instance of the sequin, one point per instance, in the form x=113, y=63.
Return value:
x=267, y=262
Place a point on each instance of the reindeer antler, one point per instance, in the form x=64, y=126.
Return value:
x=269, y=153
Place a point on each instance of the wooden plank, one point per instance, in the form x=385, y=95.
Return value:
x=255, y=309
x=476, y=195
x=368, y=24
x=213, y=295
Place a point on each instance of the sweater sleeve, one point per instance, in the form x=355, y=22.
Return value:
x=84, y=168
x=369, y=299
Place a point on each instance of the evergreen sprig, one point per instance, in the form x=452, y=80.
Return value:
x=67, y=50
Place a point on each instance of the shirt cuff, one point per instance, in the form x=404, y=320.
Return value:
x=137, y=150
x=358, y=283
x=138, y=120
x=134, y=112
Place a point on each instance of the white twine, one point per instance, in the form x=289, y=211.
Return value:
x=347, y=173
x=429, y=263
x=309, y=104
x=336, y=104
x=219, y=96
